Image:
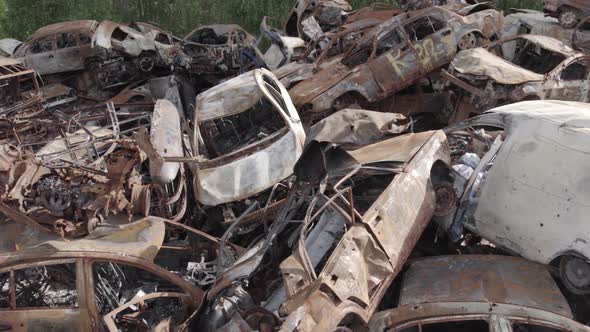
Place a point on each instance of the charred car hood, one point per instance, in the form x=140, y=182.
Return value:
x=480, y=62
x=294, y=72
x=9, y=45
x=319, y=83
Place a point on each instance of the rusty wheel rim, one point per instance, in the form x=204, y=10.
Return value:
x=468, y=41
x=446, y=199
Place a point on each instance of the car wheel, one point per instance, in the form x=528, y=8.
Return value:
x=147, y=63
x=568, y=18
x=575, y=274
x=468, y=41
x=446, y=199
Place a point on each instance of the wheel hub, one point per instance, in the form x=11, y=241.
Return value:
x=468, y=41
x=577, y=271
x=446, y=199
x=569, y=18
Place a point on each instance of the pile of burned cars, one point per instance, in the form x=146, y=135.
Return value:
x=418, y=167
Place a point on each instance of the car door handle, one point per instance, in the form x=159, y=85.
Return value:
x=446, y=32
x=51, y=56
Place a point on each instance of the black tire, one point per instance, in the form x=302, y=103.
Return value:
x=575, y=274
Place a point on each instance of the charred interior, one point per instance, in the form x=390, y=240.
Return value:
x=534, y=57
x=229, y=134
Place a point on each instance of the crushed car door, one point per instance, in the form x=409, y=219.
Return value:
x=571, y=82
x=41, y=55
x=44, y=296
x=67, y=52
x=433, y=41
x=129, y=297
x=393, y=63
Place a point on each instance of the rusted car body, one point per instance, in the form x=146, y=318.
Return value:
x=309, y=19
x=398, y=53
x=526, y=67
x=149, y=46
x=569, y=12
x=478, y=293
x=81, y=175
x=220, y=49
x=134, y=51
x=504, y=145
x=363, y=211
x=325, y=51
x=247, y=137
x=532, y=22
x=59, y=48
x=107, y=281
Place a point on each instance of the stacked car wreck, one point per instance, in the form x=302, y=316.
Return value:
x=410, y=168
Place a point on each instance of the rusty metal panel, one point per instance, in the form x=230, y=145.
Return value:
x=493, y=279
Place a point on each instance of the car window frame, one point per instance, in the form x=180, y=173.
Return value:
x=405, y=42
x=80, y=296
x=568, y=62
x=29, y=50
x=155, y=270
x=429, y=16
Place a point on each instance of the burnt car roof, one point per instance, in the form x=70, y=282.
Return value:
x=473, y=278
x=559, y=112
x=81, y=25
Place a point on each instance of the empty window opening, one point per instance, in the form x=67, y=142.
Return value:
x=4, y=290
x=422, y=28
x=116, y=284
x=42, y=45
x=50, y=286
x=208, y=36
x=231, y=133
x=163, y=39
x=533, y=57
x=574, y=72
x=66, y=40
x=119, y=34
x=390, y=41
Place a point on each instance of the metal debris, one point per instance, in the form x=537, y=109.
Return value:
x=154, y=183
